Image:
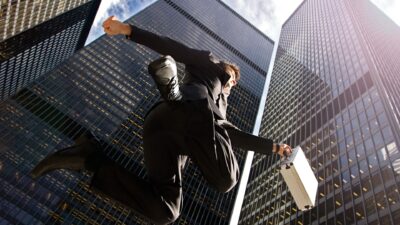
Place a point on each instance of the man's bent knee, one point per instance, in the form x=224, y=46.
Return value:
x=226, y=183
x=167, y=216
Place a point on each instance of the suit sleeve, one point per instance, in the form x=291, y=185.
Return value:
x=167, y=46
x=245, y=140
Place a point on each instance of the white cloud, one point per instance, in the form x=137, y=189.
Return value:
x=390, y=7
x=267, y=15
x=105, y=6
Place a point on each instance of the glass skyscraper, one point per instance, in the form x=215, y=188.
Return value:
x=35, y=36
x=333, y=91
x=105, y=88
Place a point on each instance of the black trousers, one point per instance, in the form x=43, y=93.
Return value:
x=165, y=153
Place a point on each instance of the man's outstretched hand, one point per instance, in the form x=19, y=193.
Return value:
x=112, y=26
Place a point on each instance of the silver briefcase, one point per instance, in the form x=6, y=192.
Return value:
x=300, y=179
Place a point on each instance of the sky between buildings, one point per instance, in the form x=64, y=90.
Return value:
x=267, y=15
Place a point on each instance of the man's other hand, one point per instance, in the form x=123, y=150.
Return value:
x=285, y=150
x=112, y=26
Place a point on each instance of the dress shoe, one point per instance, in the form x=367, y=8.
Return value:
x=164, y=73
x=72, y=158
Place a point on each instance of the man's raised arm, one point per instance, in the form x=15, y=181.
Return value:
x=160, y=44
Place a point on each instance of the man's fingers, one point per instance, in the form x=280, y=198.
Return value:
x=110, y=18
x=285, y=150
x=107, y=22
x=288, y=151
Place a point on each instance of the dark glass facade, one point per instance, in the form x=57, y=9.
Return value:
x=105, y=88
x=38, y=35
x=333, y=92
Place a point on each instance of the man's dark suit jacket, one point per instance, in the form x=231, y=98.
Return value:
x=202, y=88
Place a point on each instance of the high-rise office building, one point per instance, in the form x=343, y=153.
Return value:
x=333, y=92
x=35, y=36
x=105, y=88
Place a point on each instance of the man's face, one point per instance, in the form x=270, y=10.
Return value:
x=232, y=81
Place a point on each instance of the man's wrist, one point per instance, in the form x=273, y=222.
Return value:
x=126, y=30
x=275, y=148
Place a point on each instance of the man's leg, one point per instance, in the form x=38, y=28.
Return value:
x=143, y=197
x=160, y=198
x=212, y=152
x=218, y=165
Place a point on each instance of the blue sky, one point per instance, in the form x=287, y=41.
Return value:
x=266, y=15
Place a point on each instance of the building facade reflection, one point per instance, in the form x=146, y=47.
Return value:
x=36, y=36
x=332, y=92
